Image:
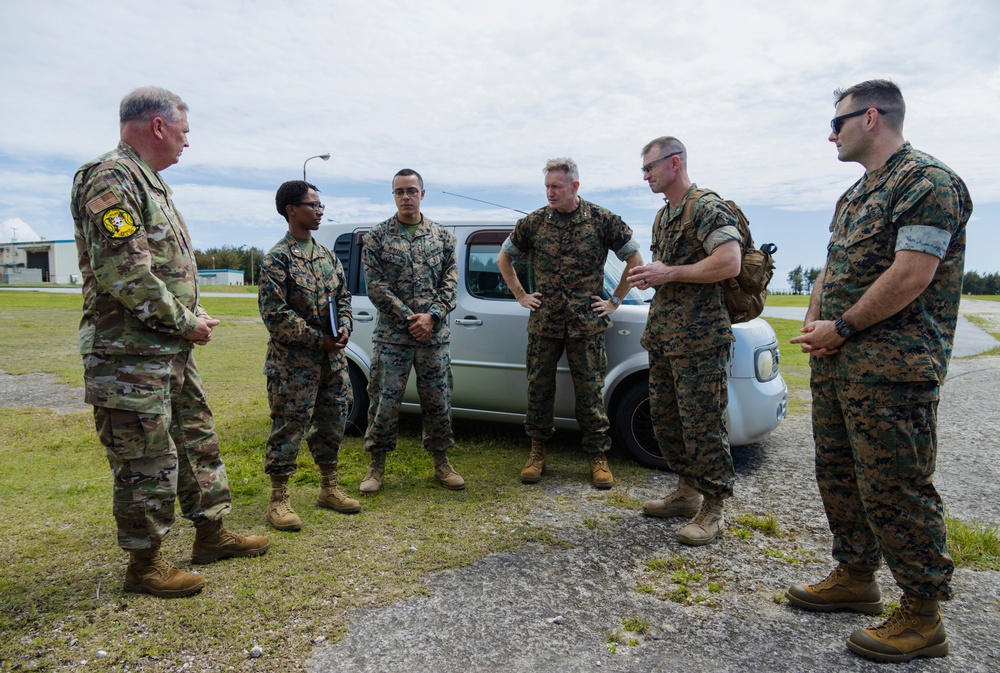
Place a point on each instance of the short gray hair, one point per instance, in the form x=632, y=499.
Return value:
x=667, y=145
x=564, y=164
x=151, y=101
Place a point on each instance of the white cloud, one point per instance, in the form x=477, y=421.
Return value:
x=15, y=229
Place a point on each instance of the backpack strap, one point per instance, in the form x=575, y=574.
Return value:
x=687, y=215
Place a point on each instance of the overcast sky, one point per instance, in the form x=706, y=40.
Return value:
x=477, y=99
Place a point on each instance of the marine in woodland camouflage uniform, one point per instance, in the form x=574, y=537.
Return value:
x=306, y=307
x=880, y=328
x=141, y=320
x=568, y=241
x=308, y=387
x=688, y=336
x=411, y=274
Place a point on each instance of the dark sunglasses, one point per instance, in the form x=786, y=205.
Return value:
x=837, y=123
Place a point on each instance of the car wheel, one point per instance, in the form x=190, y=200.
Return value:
x=634, y=426
x=357, y=414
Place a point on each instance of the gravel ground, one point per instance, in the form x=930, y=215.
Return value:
x=552, y=609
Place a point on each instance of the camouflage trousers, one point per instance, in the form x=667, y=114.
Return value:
x=688, y=396
x=876, y=448
x=588, y=362
x=165, y=453
x=391, y=365
x=309, y=400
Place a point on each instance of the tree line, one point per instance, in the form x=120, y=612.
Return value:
x=801, y=281
x=244, y=258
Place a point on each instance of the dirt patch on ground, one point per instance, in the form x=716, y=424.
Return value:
x=40, y=391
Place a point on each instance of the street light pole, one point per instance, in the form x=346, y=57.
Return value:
x=324, y=157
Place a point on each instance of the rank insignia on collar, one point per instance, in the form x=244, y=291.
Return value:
x=119, y=223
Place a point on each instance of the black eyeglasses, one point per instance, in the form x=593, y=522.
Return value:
x=315, y=205
x=409, y=191
x=837, y=123
x=648, y=167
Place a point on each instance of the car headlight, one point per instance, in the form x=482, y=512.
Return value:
x=765, y=362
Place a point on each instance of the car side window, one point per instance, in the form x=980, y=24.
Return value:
x=483, y=277
x=347, y=249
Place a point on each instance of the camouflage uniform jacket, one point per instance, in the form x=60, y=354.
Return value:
x=407, y=275
x=913, y=202
x=294, y=300
x=689, y=317
x=140, y=282
x=568, y=254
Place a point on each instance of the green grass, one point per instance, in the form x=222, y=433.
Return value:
x=974, y=544
x=675, y=579
x=767, y=524
x=60, y=591
x=775, y=300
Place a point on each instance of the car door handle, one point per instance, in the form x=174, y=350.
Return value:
x=469, y=321
x=364, y=317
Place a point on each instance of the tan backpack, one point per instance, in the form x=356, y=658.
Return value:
x=744, y=295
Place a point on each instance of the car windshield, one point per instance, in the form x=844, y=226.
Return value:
x=613, y=273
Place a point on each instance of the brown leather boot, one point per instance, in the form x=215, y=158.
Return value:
x=531, y=473
x=330, y=495
x=444, y=473
x=212, y=542
x=149, y=573
x=600, y=471
x=375, y=474
x=706, y=525
x=685, y=500
x=279, y=508
x=843, y=589
x=913, y=630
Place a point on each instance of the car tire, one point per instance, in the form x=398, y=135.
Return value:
x=634, y=427
x=357, y=414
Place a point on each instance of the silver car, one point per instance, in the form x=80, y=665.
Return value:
x=489, y=338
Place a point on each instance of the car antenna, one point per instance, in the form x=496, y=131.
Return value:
x=489, y=203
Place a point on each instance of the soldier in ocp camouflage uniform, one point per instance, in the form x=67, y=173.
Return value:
x=569, y=241
x=411, y=274
x=141, y=319
x=880, y=328
x=306, y=307
x=688, y=336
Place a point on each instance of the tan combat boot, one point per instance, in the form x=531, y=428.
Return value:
x=706, y=524
x=149, y=573
x=212, y=542
x=600, y=471
x=843, y=589
x=684, y=500
x=279, y=508
x=444, y=473
x=330, y=495
x=531, y=473
x=375, y=474
x=913, y=630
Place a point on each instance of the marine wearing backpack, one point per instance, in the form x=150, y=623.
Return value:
x=744, y=295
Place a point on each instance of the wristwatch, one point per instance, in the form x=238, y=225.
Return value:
x=615, y=300
x=845, y=329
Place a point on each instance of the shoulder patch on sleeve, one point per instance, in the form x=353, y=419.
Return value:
x=102, y=202
x=119, y=223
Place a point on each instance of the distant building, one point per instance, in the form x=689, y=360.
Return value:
x=39, y=262
x=220, y=277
